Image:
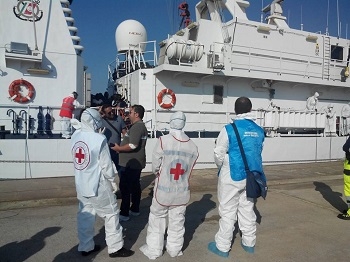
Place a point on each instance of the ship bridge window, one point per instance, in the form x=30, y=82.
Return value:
x=193, y=34
x=337, y=52
x=218, y=94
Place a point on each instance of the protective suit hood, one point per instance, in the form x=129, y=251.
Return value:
x=91, y=121
x=177, y=120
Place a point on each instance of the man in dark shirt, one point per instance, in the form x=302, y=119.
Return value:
x=114, y=128
x=132, y=159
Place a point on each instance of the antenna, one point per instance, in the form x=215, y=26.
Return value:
x=262, y=13
x=301, y=18
x=338, y=17
x=327, y=18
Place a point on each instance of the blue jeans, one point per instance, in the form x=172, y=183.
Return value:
x=130, y=189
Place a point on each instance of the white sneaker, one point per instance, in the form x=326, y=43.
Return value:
x=135, y=214
x=123, y=218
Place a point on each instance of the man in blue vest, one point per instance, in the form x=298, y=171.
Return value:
x=233, y=202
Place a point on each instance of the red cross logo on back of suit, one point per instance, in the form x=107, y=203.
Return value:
x=177, y=172
x=81, y=155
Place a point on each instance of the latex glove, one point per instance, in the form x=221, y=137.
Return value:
x=114, y=187
x=102, y=130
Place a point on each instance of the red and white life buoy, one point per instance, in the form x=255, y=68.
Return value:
x=16, y=94
x=160, y=96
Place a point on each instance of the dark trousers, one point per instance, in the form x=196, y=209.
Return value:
x=130, y=189
x=115, y=159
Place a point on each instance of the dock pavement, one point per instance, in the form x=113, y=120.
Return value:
x=297, y=221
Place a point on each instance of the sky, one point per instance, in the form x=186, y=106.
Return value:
x=97, y=21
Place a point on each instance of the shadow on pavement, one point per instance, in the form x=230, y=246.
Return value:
x=195, y=215
x=133, y=228
x=334, y=198
x=21, y=251
x=74, y=255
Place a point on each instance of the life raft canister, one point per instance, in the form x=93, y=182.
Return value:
x=160, y=96
x=15, y=91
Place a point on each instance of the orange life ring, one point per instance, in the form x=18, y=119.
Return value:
x=160, y=96
x=16, y=95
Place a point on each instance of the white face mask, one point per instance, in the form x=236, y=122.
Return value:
x=177, y=120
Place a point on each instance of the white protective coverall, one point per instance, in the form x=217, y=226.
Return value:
x=174, y=157
x=93, y=177
x=233, y=202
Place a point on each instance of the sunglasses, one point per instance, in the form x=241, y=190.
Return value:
x=110, y=113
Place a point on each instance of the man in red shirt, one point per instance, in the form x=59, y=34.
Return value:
x=69, y=103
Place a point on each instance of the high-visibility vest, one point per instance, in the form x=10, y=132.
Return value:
x=67, y=107
x=346, y=167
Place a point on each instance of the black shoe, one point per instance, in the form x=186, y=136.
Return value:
x=96, y=248
x=344, y=216
x=123, y=252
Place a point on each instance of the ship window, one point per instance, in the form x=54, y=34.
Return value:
x=193, y=34
x=19, y=48
x=218, y=94
x=337, y=52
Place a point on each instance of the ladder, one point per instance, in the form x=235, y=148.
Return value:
x=326, y=57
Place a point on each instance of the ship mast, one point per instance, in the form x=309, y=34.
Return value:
x=33, y=18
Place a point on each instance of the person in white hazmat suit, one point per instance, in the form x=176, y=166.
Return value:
x=174, y=157
x=234, y=205
x=94, y=175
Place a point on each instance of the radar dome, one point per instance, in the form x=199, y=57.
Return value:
x=129, y=34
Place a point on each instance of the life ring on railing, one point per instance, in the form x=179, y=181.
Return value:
x=160, y=96
x=16, y=94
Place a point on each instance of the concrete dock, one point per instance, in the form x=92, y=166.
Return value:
x=297, y=222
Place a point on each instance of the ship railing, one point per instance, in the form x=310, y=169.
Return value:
x=233, y=57
x=21, y=121
x=143, y=55
x=296, y=122
x=288, y=122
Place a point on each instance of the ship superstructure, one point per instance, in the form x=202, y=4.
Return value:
x=297, y=80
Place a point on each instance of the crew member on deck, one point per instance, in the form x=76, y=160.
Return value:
x=69, y=103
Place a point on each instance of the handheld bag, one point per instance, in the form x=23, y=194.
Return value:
x=256, y=184
x=256, y=181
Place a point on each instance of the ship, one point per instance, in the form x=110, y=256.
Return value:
x=298, y=82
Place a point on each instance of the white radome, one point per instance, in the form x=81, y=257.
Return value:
x=129, y=34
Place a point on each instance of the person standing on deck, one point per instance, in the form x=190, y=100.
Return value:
x=69, y=103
